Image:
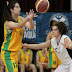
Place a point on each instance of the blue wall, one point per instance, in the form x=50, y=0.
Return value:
x=41, y=23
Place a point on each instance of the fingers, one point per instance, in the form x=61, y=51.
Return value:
x=31, y=11
x=27, y=13
x=31, y=14
x=35, y=15
x=65, y=44
x=67, y=40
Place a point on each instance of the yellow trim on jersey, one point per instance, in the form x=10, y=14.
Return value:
x=53, y=61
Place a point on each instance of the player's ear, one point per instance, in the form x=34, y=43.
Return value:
x=11, y=10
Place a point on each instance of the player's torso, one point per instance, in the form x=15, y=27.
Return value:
x=25, y=57
x=42, y=58
x=12, y=38
x=61, y=51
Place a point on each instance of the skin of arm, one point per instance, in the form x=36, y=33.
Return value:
x=37, y=60
x=19, y=58
x=37, y=46
x=29, y=24
x=10, y=24
x=48, y=36
x=67, y=43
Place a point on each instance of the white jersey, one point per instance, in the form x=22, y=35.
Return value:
x=61, y=51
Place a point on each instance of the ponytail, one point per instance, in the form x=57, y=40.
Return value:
x=6, y=14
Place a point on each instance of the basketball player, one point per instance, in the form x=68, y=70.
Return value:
x=42, y=60
x=58, y=43
x=53, y=60
x=13, y=33
x=25, y=60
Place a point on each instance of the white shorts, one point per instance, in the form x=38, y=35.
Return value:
x=64, y=68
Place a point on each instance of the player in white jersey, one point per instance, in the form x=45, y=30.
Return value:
x=62, y=54
x=60, y=42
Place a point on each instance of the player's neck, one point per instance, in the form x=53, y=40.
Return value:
x=58, y=38
x=43, y=52
x=15, y=17
x=25, y=50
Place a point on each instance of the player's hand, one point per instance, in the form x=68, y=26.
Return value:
x=24, y=45
x=31, y=14
x=66, y=43
x=46, y=64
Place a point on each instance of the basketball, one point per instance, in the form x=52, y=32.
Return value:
x=42, y=6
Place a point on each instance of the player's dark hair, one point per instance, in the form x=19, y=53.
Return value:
x=63, y=29
x=52, y=22
x=7, y=13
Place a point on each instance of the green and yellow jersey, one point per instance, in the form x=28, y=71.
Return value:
x=25, y=57
x=12, y=38
x=53, y=61
x=42, y=58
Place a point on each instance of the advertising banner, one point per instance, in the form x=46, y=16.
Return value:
x=41, y=25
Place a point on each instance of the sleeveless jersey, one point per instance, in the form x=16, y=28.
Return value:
x=12, y=38
x=61, y=51
x=25, y=58
x=42, y=58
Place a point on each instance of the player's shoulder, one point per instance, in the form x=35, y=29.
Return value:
x=53, y=39
x=8, y=22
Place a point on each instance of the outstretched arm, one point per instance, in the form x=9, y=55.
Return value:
x=48, y=36
x=29, y=24
x=37, y=46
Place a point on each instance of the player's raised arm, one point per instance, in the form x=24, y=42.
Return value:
x=29, y=24
x=24, y=22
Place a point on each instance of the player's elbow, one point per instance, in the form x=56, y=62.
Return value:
x=19, y=26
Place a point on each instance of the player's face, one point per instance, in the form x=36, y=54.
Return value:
x=16, y=10
x=55, y=31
